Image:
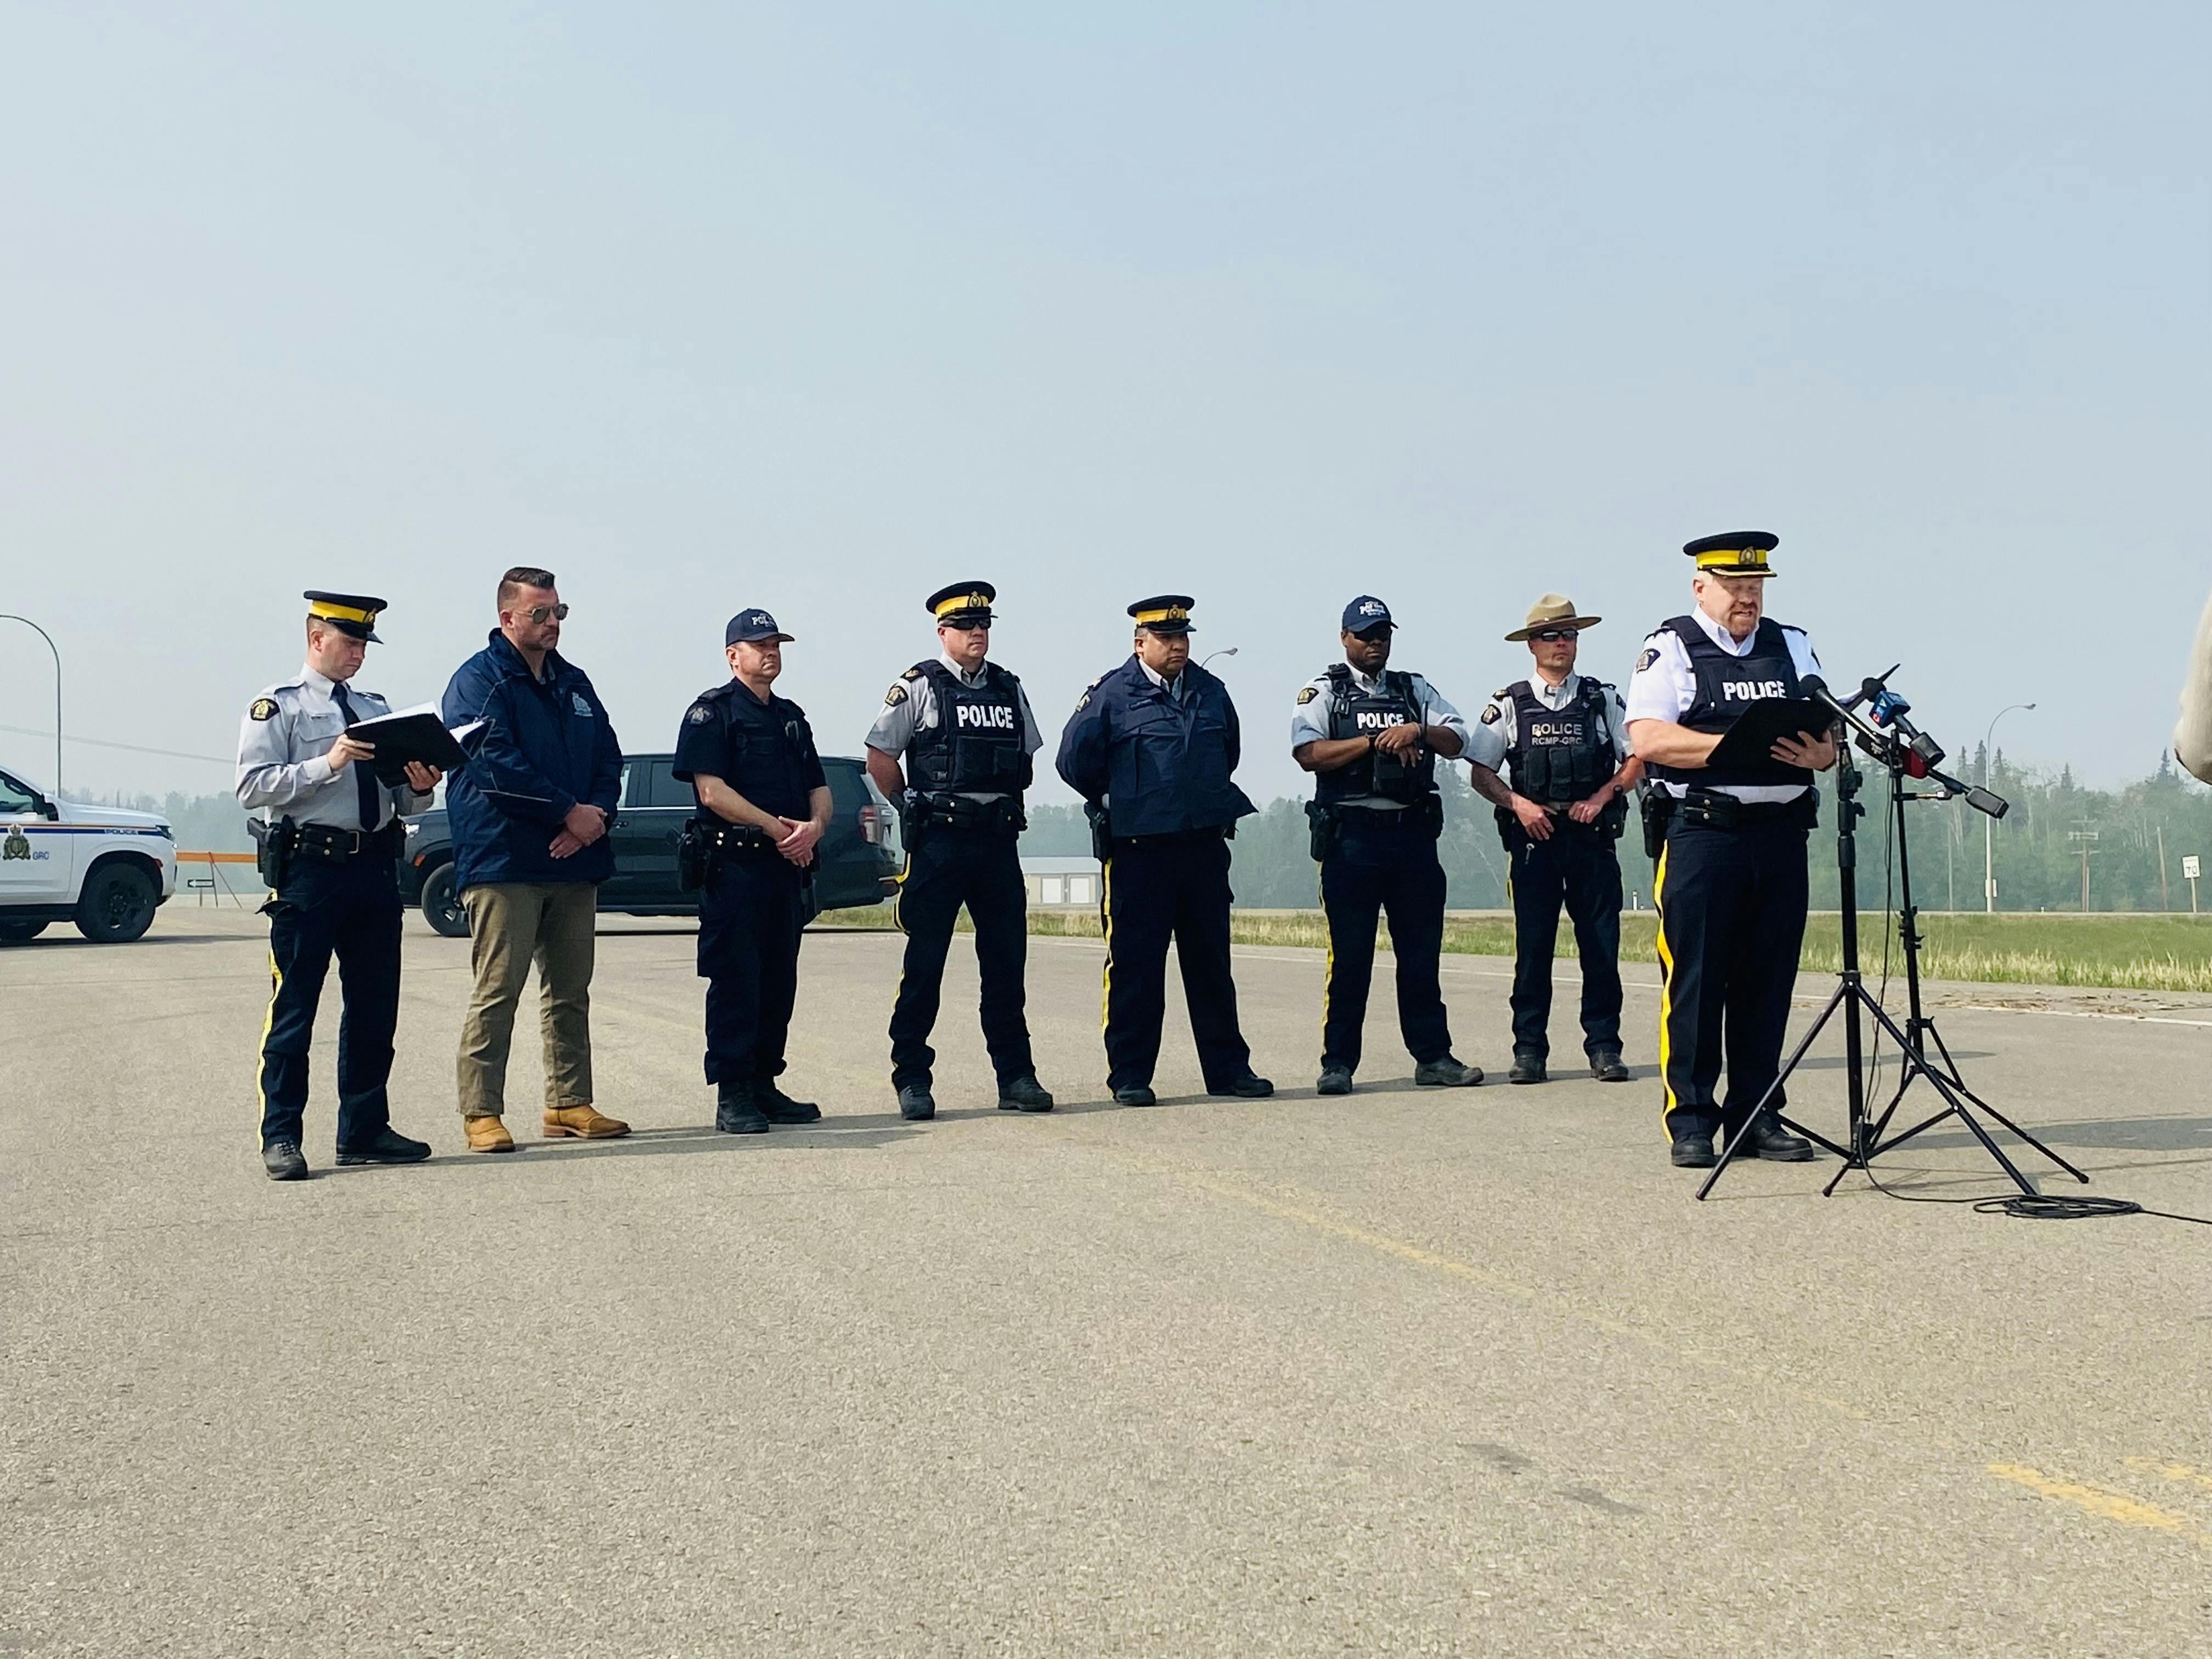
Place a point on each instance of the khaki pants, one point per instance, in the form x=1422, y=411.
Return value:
x=510, y=925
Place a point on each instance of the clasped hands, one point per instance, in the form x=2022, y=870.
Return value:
x=1536, y=820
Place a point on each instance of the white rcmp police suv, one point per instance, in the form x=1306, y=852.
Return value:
x=106, y=869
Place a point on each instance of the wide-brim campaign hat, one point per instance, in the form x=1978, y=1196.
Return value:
x=1553, y=610
x=1735, y=552
x=352, y=614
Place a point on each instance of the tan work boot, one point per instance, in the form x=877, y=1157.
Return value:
x=488, y=1134
x=585, y=1122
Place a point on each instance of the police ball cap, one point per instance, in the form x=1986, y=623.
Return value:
x=749, y=627
x=1367, y=613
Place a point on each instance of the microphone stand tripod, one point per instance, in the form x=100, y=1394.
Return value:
x=1851, y=994
x=1914, y=1059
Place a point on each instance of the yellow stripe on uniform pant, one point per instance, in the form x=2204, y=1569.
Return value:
x=268, y=1024
x=1106, y=927
x=1668, y=1101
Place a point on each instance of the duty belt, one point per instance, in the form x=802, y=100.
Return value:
x=1378, y=818
x=1173, y=837
x=328, y=844
x=1711, y=808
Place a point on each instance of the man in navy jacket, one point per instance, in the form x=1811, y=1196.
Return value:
x=529, y=816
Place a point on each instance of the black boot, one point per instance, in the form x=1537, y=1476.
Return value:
x=283, y=1161
x=1250, y=1086
x=917, y=1103
x=1446, y=1073
x=1336, y=1080
x=1767, y=1139
x=782, y=1108
x=387, y=1146
x=1605, y=1066
x=737, y=1110
x=1526, y=1068
x=1023, y=1094
x=1694, y=1152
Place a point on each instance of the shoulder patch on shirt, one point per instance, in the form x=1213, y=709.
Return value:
x=264, y=708
x=896, y=694
x=700, y=714
x=1492, y=713
x=1650, y=655
x=1307, y=694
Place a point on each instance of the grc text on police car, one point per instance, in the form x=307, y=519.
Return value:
x=105, y=868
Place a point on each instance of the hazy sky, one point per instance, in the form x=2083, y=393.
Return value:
x=818, y=308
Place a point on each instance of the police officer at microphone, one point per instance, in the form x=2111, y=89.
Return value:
x=1371, y=735
x=1730, y=887
x=329, y=837
x=964, y=728
x=1559, y=734
x=1152, y=749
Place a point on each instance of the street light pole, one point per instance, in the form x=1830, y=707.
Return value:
x=9, y=616
x=1227, y=651
x=1989, y=844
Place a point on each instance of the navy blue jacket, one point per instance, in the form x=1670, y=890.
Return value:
x=546, y=744
x=1161, y=764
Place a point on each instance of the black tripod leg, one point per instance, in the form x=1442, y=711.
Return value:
x=1942, y=1086
x=1728, y=1153
x=1949, y=1080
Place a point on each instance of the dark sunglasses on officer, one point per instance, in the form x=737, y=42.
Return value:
x=538, y=614
x=982, y=625
x=1558, y=635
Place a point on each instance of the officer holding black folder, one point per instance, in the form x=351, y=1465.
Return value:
x=1730, y=887
x=329, y=834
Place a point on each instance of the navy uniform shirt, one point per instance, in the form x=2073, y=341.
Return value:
x=763, y=750
x=1160, y=756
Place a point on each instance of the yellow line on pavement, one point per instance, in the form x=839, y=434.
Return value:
x=1550, y=1301
x=2187, y=1474
x=2100, y=1501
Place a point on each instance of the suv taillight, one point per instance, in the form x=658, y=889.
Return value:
x=872, y=825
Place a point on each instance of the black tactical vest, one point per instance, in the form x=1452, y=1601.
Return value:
x=976, y=747
x=1559, y=755
x=1727, y=686
x=1354, y=713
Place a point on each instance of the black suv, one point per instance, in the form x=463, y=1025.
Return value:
x=855, y=863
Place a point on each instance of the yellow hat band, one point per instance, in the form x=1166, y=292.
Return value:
x=1732, y=558
x=964, y=602
x=1173, y=613
x=341, y=612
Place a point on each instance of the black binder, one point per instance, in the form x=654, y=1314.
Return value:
x=1748, y=743
x=413, y=734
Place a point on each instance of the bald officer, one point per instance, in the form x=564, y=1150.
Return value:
x=963, y=727
x=329, y=837
x=1371, y=735
x=1153, y=748
x=1730, y=888
x=1560, y=735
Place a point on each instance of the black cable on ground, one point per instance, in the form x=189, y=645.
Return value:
x=2058, y=1206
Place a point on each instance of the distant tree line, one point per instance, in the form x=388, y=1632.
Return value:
x=2130, y=835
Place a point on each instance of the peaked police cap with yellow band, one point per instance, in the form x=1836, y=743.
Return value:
x=353, y=614
x=1163, y=613
x=961, y=603
x=1735, y=552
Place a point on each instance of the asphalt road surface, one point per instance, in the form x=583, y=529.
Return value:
x=1412, y=1372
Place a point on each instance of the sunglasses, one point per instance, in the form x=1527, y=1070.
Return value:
x=538, y=613
x=1557, y=635
x=983, y=627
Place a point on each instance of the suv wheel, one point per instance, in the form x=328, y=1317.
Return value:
x=116, y=904
x=441, y=904
x=20, y=933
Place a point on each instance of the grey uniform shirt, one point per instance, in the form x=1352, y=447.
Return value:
x=911, y=706
x=283, y=746
x=1664, y=686
x=1310, y=721
x=1500, y=725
